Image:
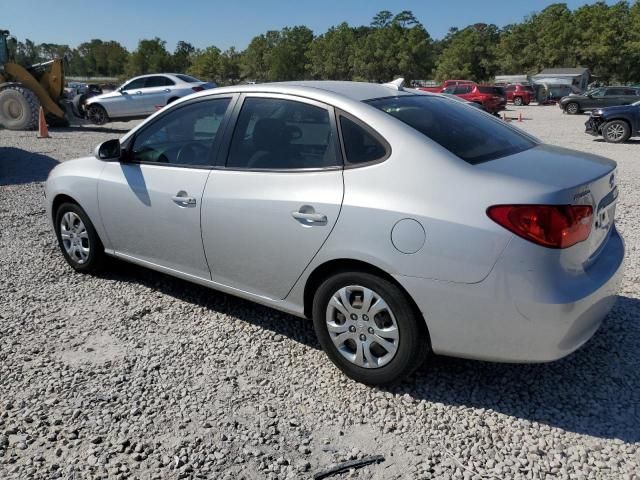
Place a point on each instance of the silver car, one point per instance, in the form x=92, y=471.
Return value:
x=402, y=223
x=142, y=96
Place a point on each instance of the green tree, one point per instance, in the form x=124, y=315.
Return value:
x=182, y=56
x=151, y=56
x=206, y=64
x=331, y=55
x=230, y=66
x=470, y=54
x=382, y=19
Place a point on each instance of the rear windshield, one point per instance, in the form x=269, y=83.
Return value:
x=187, y=78
x=492, y=90
x=465, y=131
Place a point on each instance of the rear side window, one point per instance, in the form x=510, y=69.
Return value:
x=277, y=134
x=462, y=89
x=360, y=144
x=158, y=82
x=491, y=90
x=471, y=135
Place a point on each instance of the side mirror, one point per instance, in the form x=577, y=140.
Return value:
x=109, y=150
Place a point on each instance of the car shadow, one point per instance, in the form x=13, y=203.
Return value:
x=594, y=391
x=19, y=166
x=630, y=141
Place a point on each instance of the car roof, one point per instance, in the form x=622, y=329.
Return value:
x=357, y=91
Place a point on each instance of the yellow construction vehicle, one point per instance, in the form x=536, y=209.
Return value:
x=24, y=89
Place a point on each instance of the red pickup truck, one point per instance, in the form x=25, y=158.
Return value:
x=445, y=84
x=493, y=99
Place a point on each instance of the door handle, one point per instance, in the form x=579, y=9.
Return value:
x=167, y=90
x=183, y=200
x=138, y=92
x=309, y=217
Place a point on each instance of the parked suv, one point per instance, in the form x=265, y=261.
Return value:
x=520, y=94
x=615, y=124
x=600, y=98
x=141, y=96
x=492, y=98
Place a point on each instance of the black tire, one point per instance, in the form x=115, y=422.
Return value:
x=96, y=256
x=18, y=108
x=97, y=114
x=616, y=131
x=172, y=99
x=413, y=344
x=572, y=108
x=517, y=101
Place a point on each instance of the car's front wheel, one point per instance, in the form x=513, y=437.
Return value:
x=97, y=114
x=616, y=131
x=77, y=238
x=572, y=108
x=517, y=101
x=368, y=327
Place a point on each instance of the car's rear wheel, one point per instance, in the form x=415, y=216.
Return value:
x=77, y=238
x=616, y=131
x=517, y=101
x=368, y=327
x=572, y=108
x=97, y=114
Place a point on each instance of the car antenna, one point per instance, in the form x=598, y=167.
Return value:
x=397, y=84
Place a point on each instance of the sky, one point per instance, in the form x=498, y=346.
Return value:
x=235, y=22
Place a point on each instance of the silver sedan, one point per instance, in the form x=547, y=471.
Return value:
x=402, y=223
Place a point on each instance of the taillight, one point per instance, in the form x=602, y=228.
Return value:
x=553, y=226
x=197, y=89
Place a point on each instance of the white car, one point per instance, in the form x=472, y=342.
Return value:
x=141, y=96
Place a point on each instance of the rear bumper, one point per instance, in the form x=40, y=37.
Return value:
x=513, y=315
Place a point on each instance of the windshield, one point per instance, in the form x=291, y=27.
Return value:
x=468, y=133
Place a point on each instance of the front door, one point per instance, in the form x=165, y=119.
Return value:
x=156, y=93
x=150, y=204
x=269, y=210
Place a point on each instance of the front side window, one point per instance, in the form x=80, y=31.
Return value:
x=597, y=93
x=184, y=136
x=470, y=134
x=462, y=89
x=158, y=81
x=278, y=134
x=134, y=84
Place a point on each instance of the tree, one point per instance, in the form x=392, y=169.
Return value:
x=230, y=66
x=182, y=56
x=470, y=54
x=151, y=56
x=382, y=19
x=331, y=55
x=206, y=64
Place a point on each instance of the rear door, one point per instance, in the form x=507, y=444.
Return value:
x=267, y=211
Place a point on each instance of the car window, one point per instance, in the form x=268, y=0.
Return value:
x=511, y=88
x=614, y=91
x=276, y=134
x=450, y=90
x=462, y=89
x=184, y=136
x=630, y=91
x=491, y=90
x=158, y=81
x=188, y=79
x=468, y=133
x=134, y=84
x=597, y=93
x=360, y=144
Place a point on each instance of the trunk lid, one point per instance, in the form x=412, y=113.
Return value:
x=554, y=175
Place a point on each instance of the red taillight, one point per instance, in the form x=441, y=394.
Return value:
x=553, y=226
x=197, y=89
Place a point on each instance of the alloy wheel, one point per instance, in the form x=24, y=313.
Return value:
x=615, y=132
x=572, y=108
x=75, y=238
x=362, y=326
x=97, y=115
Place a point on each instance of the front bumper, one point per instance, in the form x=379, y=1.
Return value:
x=593, y=125
x=513, y=316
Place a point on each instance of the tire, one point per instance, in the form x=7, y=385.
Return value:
x=18, y=108
x=74, y=229
x=517, y=101
x=171, y=100
x=376, y=365
x=616, y=131
x=572, y=108
x=97, y=114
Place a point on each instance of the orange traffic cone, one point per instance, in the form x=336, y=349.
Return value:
x=519, y=116
x=43, y=130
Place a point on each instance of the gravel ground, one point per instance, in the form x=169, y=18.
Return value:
x=134, y=374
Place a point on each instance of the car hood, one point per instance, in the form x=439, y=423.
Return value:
x=617, y=109
x=104, y=96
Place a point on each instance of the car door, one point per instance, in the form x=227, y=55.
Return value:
x=156, y=93
x=127, y=100
x=150, y=202
x=613, y=97
x=267, y=211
